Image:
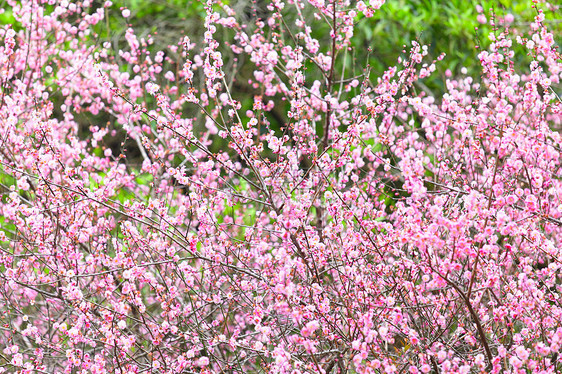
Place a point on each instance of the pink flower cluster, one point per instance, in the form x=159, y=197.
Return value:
x=338, y=223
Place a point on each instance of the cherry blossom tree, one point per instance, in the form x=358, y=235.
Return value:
x=344, y=221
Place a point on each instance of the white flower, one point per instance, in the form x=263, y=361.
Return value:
x=152, y=88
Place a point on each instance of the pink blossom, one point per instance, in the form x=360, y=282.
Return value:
x=411, y=228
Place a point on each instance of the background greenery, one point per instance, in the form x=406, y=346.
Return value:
x=449, y=27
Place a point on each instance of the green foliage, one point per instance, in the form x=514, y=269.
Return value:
x=449, y=27
x=7, y=17
x=178, y=8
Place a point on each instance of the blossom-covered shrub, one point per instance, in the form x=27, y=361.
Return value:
x=380, y=229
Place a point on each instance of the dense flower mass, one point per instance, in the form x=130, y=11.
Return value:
x=153, y=219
